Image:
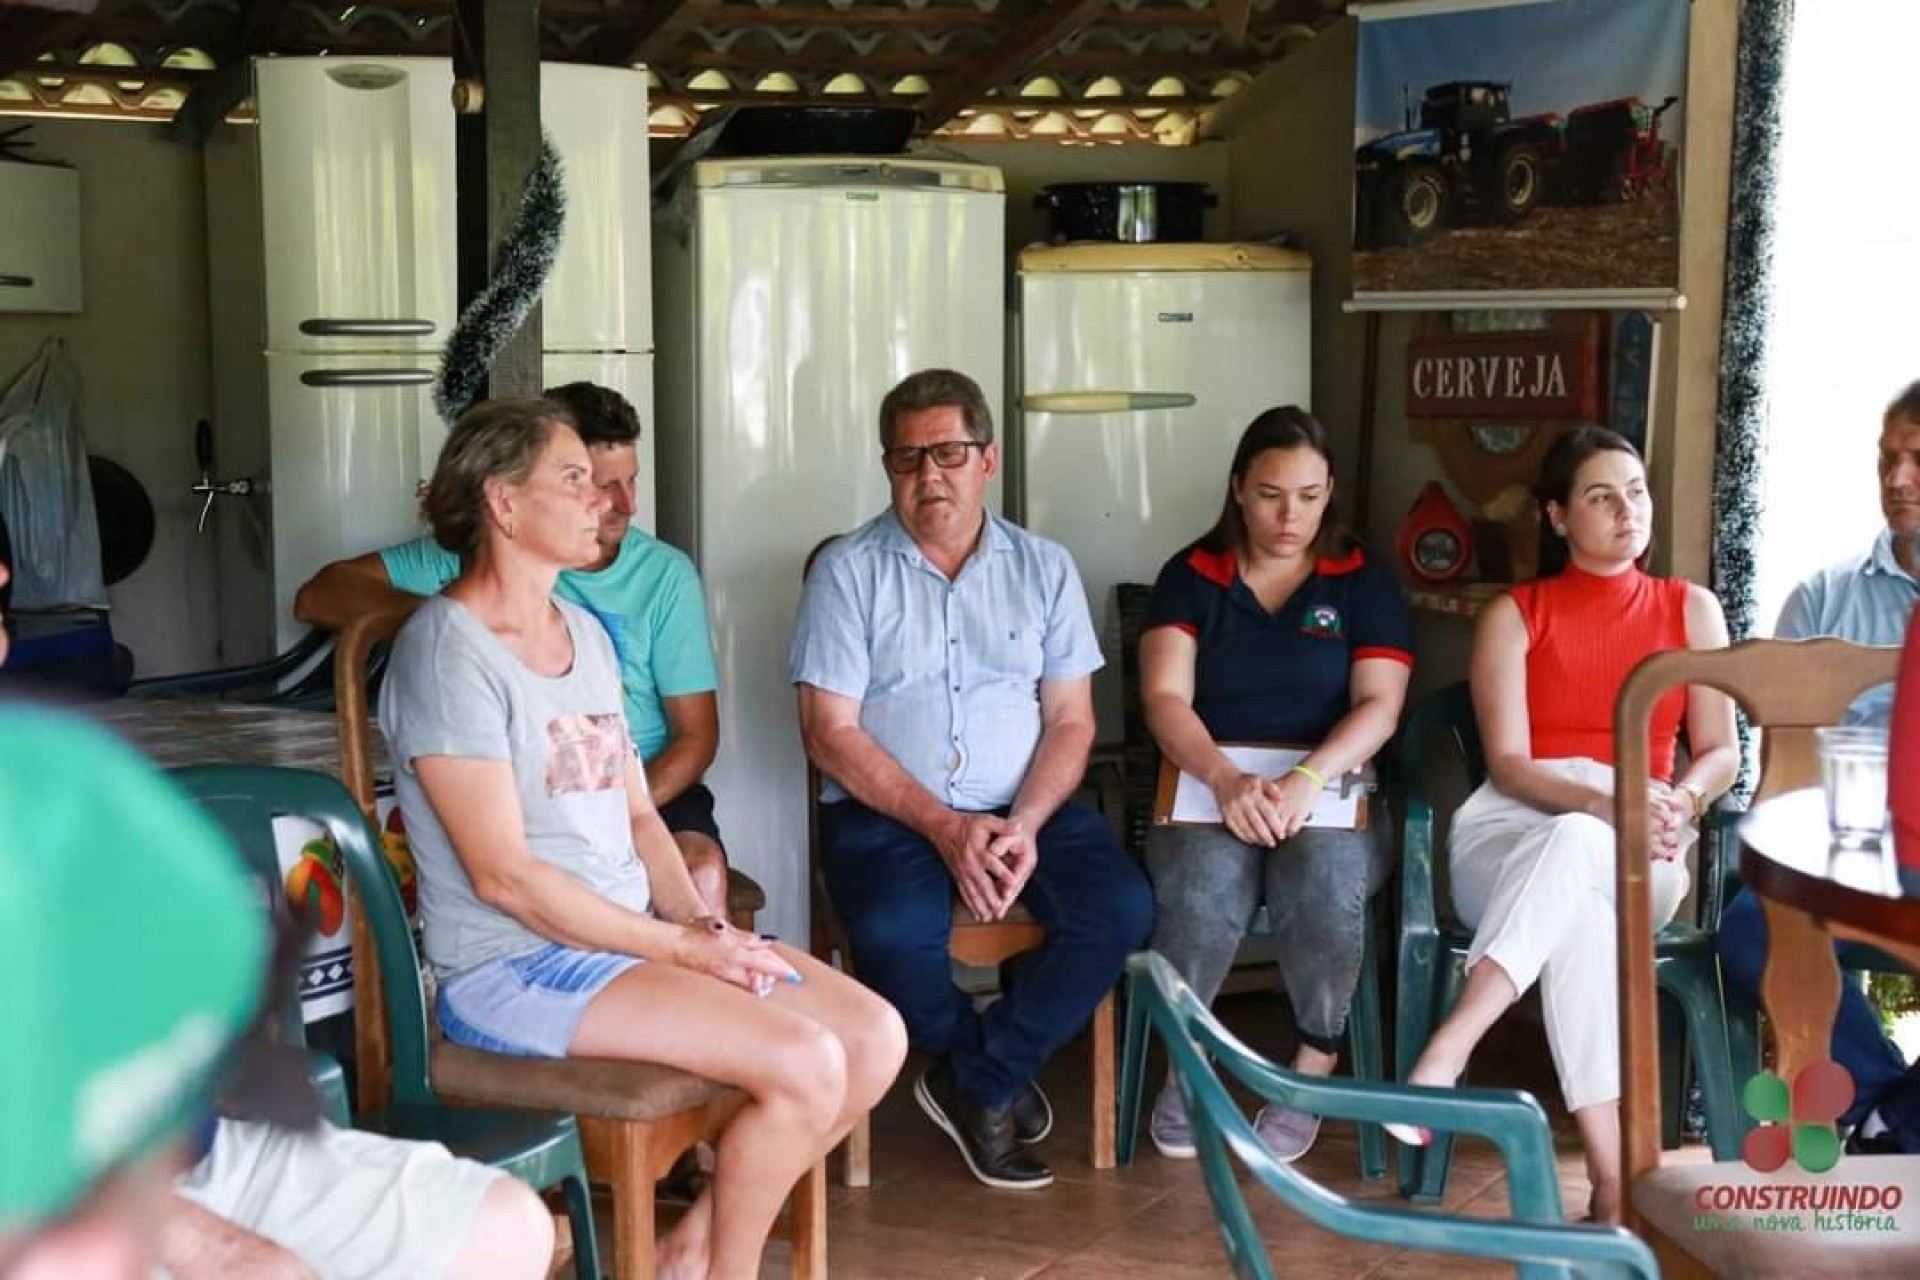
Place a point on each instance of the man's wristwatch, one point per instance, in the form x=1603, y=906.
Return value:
x=1699, y=794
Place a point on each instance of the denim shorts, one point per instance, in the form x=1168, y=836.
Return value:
x=526, y=1005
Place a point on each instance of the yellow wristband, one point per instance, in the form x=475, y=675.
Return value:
x=1309, y=775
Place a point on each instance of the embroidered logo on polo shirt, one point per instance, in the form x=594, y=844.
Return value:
x=1323, y=620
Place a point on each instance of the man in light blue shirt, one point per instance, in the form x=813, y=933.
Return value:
x=943, y=658
x=1863, y=599
x=1868, y=601
x=644, y=592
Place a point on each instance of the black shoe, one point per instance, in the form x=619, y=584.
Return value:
x=985, y=1135
x=687, y=1179
x=1880, y=1144
x=1032, y=1114
x=1883, y=1143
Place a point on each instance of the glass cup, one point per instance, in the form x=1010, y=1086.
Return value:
x=1853, y=773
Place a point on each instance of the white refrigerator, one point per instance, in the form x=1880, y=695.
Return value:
x=335, y=292
x=792, y=293
x=1140, y=365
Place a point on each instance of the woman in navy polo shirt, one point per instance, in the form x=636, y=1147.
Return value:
x=1274, y=628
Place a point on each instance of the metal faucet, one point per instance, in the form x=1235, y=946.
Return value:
x=203, y=453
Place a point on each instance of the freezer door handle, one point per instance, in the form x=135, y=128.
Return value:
x=367, y=377
x=1106, y=401
x=332, y=327
x=16, y=282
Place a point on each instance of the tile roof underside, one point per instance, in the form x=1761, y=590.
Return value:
x=1129, y=71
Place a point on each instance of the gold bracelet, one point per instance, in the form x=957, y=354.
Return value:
x=1310, y=775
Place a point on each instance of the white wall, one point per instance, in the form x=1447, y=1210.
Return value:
x=140, y=345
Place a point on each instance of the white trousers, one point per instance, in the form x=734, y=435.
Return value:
x=351, y=1205
x=1537, y=890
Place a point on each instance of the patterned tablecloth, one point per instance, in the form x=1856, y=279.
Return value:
x=183, y=731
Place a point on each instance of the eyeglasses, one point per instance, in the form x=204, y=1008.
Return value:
x=947, y=455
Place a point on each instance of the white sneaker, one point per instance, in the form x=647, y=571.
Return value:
x=1288, y=1133
x=1169, y=1128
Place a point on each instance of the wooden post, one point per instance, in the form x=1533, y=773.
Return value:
x=496, y=50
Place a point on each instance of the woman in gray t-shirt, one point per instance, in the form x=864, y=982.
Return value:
x=559, y=914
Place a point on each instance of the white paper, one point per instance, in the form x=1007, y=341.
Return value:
x=1338, y=804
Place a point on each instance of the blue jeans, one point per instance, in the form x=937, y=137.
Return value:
x=1881, y=1077
x=894, y=895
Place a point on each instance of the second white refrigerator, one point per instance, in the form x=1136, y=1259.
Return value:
x=1141, y=364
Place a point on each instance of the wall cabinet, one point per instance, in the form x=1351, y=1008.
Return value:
x=39, y=238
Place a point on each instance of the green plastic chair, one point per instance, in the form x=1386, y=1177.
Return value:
x=1686, y=969
x=1140, y=773
x=1536, y=1238
x=1363, y=1041
x=540, y=1148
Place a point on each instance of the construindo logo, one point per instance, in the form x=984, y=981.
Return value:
x=1797, y=1123
x=1800, y=1122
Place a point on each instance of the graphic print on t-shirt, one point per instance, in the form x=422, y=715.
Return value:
x=586, y=753
x=1323, y=620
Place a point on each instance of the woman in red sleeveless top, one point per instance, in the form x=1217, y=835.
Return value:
x=1532, y=851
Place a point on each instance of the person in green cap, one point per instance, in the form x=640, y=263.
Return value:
x=134, y=958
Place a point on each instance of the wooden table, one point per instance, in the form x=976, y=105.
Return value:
x=1786, y=859
x=182, y=731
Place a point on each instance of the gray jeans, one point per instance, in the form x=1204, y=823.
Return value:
x=1206, y=884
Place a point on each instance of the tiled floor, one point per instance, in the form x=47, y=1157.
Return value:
x=924, y=1218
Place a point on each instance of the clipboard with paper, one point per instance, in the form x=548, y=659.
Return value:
x=1182, y=798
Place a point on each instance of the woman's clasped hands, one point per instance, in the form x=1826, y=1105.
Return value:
x=1670, y=811
x=711, y=946
x=1265, y=811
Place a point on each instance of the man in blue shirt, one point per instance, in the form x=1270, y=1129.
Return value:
x=943, y=659
x=644, y=592
x=1866, y=600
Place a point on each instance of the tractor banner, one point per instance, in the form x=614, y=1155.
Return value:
x=1518, y=153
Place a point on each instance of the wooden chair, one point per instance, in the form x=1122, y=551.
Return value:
x=1205, y=1053
x=1787, y=689
x=980, y=944
x=541, y=1149
x=635, y=1118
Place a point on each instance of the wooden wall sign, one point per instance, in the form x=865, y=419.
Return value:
x=1532, y=376
x=1490, y=443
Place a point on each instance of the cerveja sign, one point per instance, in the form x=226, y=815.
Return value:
x=1526, y=375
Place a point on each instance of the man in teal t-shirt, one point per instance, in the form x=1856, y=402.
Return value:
x=644, y=592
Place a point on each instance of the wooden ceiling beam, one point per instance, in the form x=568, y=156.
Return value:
x=1038, y=35
x=257, y=30
x=1233, y=16
x=663, y=24
x=730, y=16
x=94, y=71
x=738, y=98
x=26, y=33
x=216, y=95
x=200, y=27
x=819, y=60
x=791, y=18
x=1141, y=65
